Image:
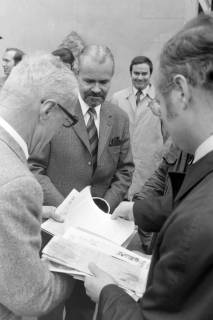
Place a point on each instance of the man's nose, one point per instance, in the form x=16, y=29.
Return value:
x=96, y=88
x=140, y=77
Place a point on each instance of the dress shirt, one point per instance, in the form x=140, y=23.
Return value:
x=204, y=148
x=145, y=92
x=85, y=108
x=16, y=136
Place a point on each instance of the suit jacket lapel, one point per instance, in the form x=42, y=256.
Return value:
x=80, y=127
x=12, y=144
x=195, y=173
x=104, y=128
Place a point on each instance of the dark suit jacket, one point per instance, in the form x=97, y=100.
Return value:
x=154, y=203
x=65, y=163
x=26, y=285
x=181, y=275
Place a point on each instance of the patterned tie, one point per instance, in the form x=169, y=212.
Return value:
x=93, y=136
x=138, y=96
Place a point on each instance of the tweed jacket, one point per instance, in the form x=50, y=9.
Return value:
x=65, y=163
x=180, y=279
x=145, y=133
x=27, y=288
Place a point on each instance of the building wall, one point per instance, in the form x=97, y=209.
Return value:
x=128, y=27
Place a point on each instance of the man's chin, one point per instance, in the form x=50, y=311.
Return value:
x=140, y=85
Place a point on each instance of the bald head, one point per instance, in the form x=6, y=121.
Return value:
x=95, y=70
x=98, y=54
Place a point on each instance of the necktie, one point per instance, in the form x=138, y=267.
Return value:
x=93, y=136
x=138, y=96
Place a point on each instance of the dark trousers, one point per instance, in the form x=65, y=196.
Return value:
x=79, y=306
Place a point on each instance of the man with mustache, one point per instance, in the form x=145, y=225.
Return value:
x=179, y=283
x=74, y=159
x=138, y=101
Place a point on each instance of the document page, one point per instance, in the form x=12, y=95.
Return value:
x=76, y=251
x=84, y=214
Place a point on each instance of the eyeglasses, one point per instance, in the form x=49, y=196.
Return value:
x=72, y=118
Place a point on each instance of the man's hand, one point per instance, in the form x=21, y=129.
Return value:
x=49, y=212
x=124, y=210
x=94, y=284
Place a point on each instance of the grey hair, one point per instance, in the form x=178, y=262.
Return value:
x=39, y=77
x=190, y=53
x=99, y=53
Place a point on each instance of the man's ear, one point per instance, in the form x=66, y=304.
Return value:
x=183, y=88
x=46, y=109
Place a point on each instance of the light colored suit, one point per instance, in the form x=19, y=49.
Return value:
x=65, y=163
x=145, y=134
x=27, y=288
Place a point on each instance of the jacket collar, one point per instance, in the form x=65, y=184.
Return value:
x=150, y=92
x=195, y=173
x=12, y=144
x=15, y=135
x=80, y=127
x=105, y=126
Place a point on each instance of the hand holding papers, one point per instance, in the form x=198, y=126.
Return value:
x=80, y=211
x=73, y=252
x=124, y=210
x=89, y=235
x=95, y=284
x=50, y=212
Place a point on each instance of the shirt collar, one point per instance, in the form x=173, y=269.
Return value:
x=16, y=136
x=85, y=107
x=204, y=148
x=148, y=91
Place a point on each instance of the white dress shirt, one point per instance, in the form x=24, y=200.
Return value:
x=85, y=108
x=15, y=135
x=204, y=148
x=145, y=92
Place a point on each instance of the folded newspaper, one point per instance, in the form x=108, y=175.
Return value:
x=80, y=211
x=72, y=252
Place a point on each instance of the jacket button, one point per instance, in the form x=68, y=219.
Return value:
x=89, y=163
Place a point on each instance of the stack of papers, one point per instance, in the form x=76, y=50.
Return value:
x=90, y=235
x=72, y=252
x=80, y=211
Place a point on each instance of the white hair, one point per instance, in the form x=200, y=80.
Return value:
x=39, y=77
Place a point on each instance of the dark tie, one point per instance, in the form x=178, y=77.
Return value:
x=138, y=96
x=93, y=136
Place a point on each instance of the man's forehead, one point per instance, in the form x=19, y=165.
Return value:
x=142, y=67
x=95, y=70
